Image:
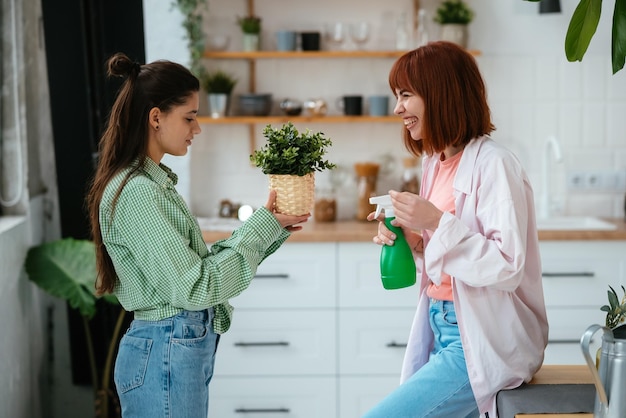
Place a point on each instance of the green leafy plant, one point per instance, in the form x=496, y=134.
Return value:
x=250, y=24
x=192, y=23
x=616, y=309
x=288, y=151
x=66, y=269
x=453, y=11
x=583, y=26
x=218, y=82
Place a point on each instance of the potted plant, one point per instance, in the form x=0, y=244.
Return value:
x=251, y=27
x=290, y=159
x=616, y=313
x=454, y=16
x=219, y=86
x=66, y=269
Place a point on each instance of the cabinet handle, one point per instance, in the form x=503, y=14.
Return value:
x=573, y=341
x=261, y=410
x=271, y=276
x=568, y=274
x=394, y=344
x=262, y=344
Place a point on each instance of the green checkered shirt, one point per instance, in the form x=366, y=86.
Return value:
x=162, y=263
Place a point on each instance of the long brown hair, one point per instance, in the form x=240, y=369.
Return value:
x=447, y=78
x=162, y=84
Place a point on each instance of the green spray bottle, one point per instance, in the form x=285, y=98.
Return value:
x=397, y=265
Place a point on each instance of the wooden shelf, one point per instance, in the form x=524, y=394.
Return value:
x=254, y=55
x=234, y=120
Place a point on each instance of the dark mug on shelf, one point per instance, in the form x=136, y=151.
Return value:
x=351, y=105
x=310, y=41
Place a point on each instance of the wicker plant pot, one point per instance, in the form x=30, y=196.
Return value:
x=295, y=195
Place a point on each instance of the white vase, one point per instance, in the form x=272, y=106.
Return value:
x=251, y=42
x=218, y=104
x=455, y=32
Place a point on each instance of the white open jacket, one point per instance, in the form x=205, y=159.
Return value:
x=491, y=250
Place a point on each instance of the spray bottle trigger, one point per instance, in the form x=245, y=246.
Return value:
x=379, y=208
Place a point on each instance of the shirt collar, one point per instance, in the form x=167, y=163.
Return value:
x=160, y=173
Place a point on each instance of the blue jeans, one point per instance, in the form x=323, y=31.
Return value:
x=441, y=388
x=163, y=368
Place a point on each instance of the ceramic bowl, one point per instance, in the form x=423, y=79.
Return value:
x=291, y=107
x=217, y=42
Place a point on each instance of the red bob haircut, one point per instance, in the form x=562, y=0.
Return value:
x=447, y=78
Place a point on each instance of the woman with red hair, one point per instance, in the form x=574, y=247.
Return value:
x=480, y=325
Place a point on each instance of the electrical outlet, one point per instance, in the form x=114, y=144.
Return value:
x=576, y=180
x=594, y=180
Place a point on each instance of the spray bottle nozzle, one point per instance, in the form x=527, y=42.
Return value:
x=382, y=202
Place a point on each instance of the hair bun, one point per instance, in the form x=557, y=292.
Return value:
x=120, y=65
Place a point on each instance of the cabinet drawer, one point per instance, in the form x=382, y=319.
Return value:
x=270, y=343
x=296, y=276
x=359, y=280
x=373, y=341
x=579, y=273
x=273, y=398
x=567, y=326
x=357, y=395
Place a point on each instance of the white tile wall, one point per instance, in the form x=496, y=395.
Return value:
x=533, y=91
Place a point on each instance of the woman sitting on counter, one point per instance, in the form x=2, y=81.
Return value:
x=480, y=325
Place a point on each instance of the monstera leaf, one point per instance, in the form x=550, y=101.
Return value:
x=66, y=269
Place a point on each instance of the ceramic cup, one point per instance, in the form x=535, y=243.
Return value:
x=310, y=41
x=286, y=40
x=378, y=105
x=351, y=105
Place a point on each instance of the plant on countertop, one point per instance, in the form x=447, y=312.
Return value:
x=288, y=151
x=192, y=23
x=583, y=26
x=66, y=269
x=616, y=313
x=453, y=11
x=218, y=82
x=250, y=24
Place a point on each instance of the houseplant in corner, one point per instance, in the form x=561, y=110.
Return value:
x=219, y=86
x=251, y=28
x=454, y=16
x=290, y=159
x=66, y=269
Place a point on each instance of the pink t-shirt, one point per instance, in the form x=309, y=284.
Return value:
x=442, y=197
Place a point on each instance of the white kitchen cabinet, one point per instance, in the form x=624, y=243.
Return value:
x=276, y=397
x=317, y=335
x=576, y=278
x=316, y=318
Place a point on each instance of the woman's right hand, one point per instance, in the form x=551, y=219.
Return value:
x=387, y=237
x=289, y=222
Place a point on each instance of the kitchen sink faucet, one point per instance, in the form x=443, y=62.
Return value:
x=546, y=198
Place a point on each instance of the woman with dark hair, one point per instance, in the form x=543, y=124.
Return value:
x=480, y=324
x=149, y=248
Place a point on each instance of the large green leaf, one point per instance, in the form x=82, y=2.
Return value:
x=66, y=269
x=618, y=44
x=581, y=28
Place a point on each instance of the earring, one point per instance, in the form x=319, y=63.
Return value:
x=156, y=127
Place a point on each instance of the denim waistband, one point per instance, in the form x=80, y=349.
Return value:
x=434, y=301
x=202, y=315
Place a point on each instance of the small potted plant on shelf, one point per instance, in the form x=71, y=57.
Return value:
x=251, y=28
x=290, y=159
x=219, y=86
x=454, y=16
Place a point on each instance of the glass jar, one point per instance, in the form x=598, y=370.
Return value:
x=366, y=178
x=325, y=209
